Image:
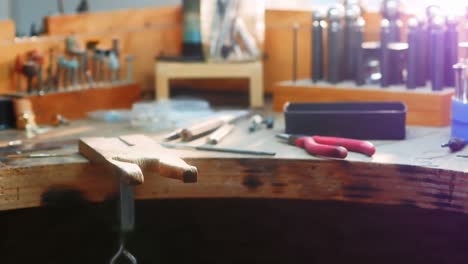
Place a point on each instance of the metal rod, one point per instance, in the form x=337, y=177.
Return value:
x=317, y=47
x=217, y=149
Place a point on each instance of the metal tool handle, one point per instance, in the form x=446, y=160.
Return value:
x=359, y=146
x=313, y=148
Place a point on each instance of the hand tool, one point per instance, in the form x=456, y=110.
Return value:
x=219, y=134
x=436, y=60
x=318, y=25
x=352, y=14
x=50, y=70
x=116, y=47
x=203, y=128
x=30, y=70
x=398, y=54
x=391, y=10
x=412, y=60
x=358, y=51
x=38, y=59
x=294, y=49
x=451, y=50
x=455, y=144
x=129, y=60
x=385, y=53
x=21, y=147
x=73, y=66
x=432, y=12
x=129, y=157
x=422, y=44
x=255, y=123
x=331, y=147
x=218, y=149
x=19, y=62
x=114, y=66
x=460, y=81
x=335, y=44
x=62, y=72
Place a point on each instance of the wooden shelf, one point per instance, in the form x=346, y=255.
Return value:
x=75, y=104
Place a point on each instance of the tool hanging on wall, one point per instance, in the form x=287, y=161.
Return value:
x=422, y=46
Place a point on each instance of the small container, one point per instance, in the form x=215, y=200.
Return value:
x=459, y=119
x=369, y=120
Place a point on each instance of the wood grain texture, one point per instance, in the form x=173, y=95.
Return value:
x=424, y=106
x=7, y=29
x=109, y=21
x=416, y=171
x=77, y=104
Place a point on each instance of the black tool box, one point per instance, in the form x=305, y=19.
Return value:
x=369, y=120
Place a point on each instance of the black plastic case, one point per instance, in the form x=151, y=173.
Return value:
x=366, y=120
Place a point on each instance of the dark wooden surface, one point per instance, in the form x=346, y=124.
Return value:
x=235, y=231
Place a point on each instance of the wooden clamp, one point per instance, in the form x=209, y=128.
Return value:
x=130, y=156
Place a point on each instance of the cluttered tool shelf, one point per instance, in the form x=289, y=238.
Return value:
x=415, y=171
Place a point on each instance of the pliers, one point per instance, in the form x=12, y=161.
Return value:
x=332, y=147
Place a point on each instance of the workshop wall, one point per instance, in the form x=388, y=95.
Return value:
x=26, y=12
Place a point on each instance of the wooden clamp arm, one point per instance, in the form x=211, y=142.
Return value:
x=132, y=155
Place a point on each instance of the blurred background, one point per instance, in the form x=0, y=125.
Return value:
x=26, y=12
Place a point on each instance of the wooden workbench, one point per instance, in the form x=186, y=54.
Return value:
x=415, y=172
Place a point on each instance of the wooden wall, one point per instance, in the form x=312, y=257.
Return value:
x=7, y=29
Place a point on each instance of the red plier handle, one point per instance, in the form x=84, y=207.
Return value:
x=334, y=147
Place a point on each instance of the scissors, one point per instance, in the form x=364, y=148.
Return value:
x=331, y=147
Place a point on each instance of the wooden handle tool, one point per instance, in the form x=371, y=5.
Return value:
x=130, y=156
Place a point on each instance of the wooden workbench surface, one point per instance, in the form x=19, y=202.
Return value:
x=414, y=172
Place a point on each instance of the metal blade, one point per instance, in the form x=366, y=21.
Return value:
x=127, y=208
